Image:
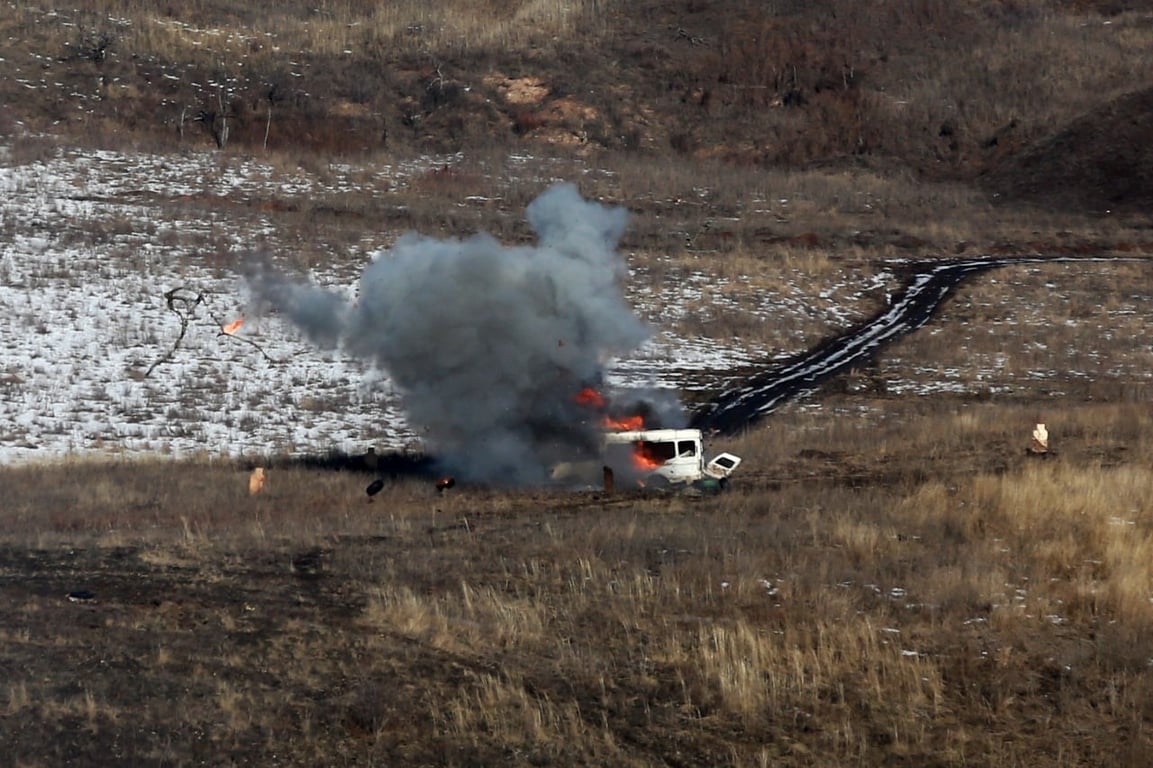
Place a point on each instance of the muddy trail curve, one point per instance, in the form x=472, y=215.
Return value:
x=928, y=285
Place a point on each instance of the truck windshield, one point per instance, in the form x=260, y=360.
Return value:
x=663, y=451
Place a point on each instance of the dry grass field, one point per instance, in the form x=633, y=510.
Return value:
x=906, y=587
x=891, y=579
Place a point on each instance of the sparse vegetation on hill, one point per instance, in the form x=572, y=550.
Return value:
x=936, y=90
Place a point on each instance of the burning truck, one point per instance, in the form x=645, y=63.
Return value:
x=652, y=458
x=666, y=457
x=487, y=344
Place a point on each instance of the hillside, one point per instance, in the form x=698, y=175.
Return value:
x=1022, y=95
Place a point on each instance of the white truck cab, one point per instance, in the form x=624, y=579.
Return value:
x=673, y=455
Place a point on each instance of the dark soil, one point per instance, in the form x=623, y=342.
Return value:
x=1101, y=163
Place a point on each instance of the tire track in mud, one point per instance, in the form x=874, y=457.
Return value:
x=928, y=285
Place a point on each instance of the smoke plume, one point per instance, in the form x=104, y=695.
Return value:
x=490, y=345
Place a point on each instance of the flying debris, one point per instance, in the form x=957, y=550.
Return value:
x=374, y=488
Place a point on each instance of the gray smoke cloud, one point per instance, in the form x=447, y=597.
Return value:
x=489, y=344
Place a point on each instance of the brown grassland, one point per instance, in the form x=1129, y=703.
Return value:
x=890, y=580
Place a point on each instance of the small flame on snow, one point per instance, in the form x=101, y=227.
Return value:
x=233, y=327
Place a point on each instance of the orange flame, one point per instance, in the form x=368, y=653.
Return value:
x=624, y=423
x=643, y=461
x=593, y=399
x=590, y=397
x=233, y=327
